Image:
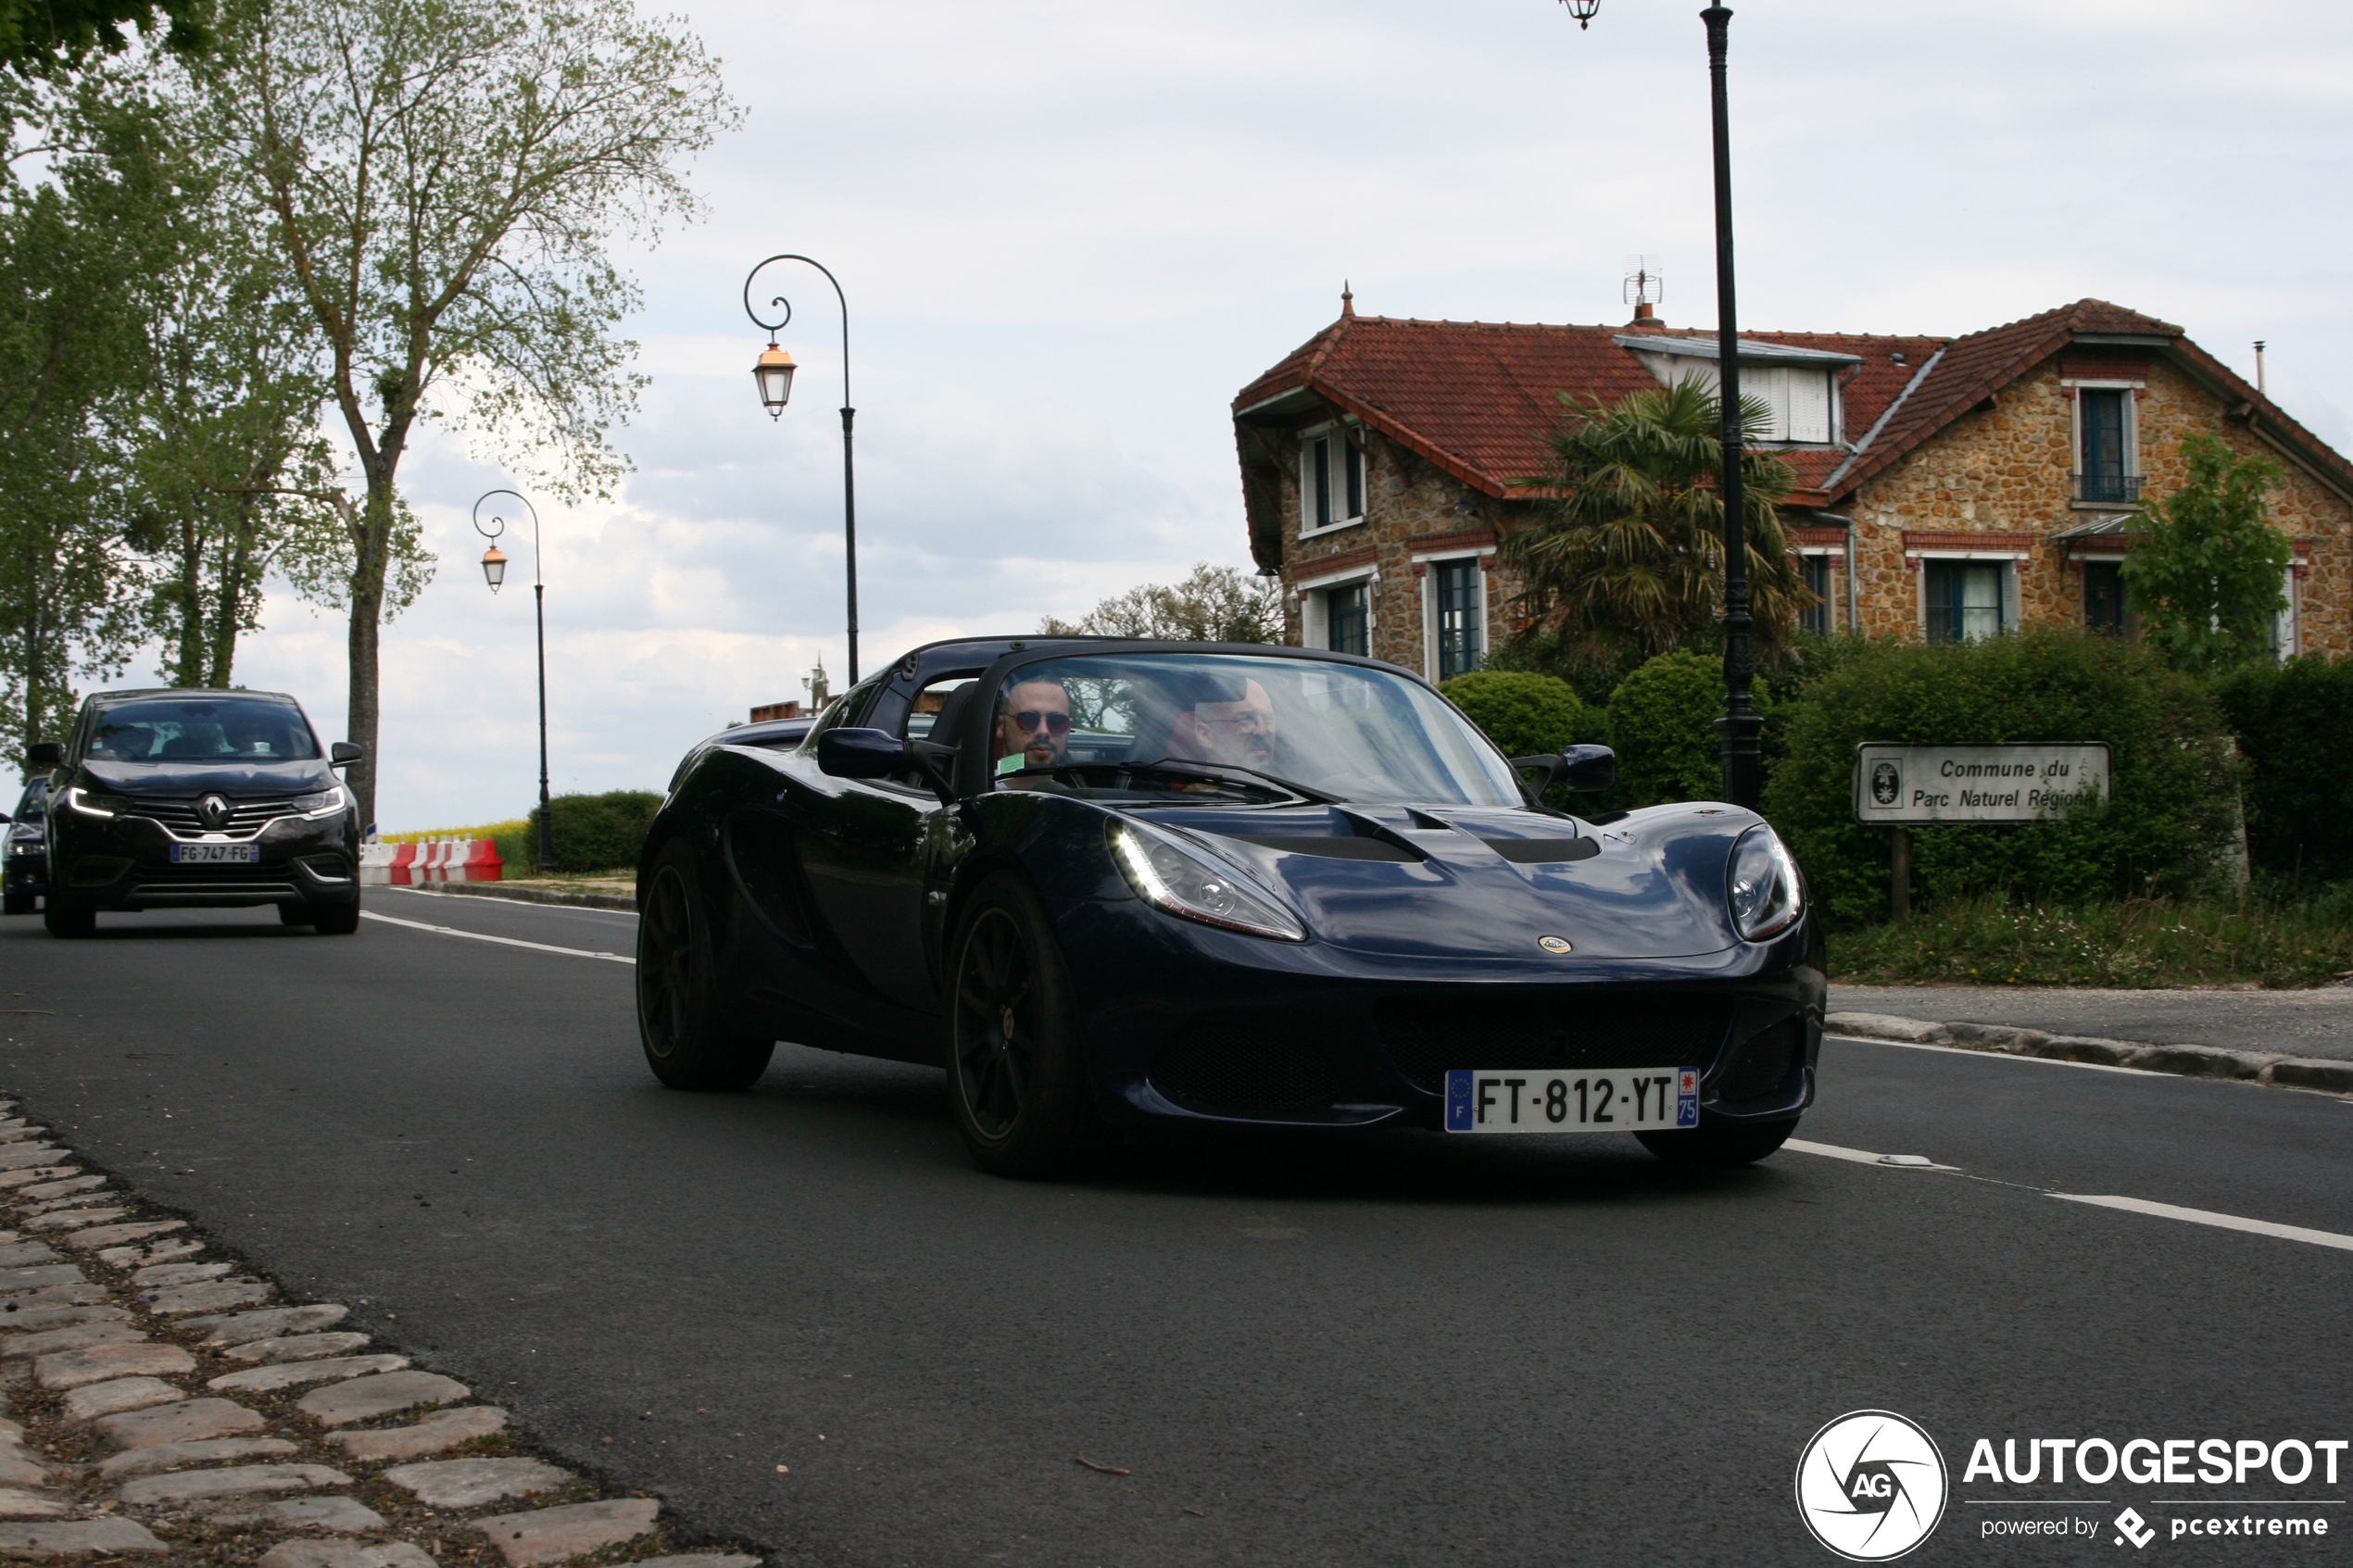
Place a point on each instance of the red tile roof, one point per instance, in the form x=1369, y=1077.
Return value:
x=1475, y=397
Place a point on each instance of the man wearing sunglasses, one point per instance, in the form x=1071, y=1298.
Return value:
x=1034, y=725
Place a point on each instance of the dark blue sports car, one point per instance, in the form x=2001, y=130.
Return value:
x=1103, y=882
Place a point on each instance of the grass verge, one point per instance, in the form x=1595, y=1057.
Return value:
x=2136, y=943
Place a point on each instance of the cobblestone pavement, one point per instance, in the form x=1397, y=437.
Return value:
x=168, y=1406
x=2305, y=1024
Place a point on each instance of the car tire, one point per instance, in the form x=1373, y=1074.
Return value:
x=294, y=914
x=69, y=920
x=1018, y=1080
x=689, y=1041
x=335, y=919
x=1717, y=1144
x=16, y=903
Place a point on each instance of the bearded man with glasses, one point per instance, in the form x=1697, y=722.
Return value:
x=1033, y=727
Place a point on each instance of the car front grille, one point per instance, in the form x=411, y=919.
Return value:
x=1237, y=1073
x=246, y=817
x=1552, y=1030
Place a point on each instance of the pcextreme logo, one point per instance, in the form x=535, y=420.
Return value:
x=1871, y=1485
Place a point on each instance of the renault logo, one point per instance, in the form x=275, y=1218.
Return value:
x=213, y=811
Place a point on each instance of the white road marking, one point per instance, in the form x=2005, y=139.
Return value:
x=2131, y=1205
x=2005, y=1056
x=486, y=936
x=2208, y=1217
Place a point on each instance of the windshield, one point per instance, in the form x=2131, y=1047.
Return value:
x=1209, y=728
x=216, y=729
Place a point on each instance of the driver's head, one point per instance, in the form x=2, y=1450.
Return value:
x=245, y=730
x=1036, y=722
x=1240, y=729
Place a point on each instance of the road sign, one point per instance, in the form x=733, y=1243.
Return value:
x=1898, y=785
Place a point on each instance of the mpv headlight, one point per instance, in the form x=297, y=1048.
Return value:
x=91, y=805
x=1764, y=891
x=319, y=805
x=1173, y=876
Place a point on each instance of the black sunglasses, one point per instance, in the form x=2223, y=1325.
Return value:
x=1030, y=719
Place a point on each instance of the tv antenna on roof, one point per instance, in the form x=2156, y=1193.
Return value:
x=1643, y=285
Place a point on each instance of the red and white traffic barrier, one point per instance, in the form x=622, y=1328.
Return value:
x=439, y=859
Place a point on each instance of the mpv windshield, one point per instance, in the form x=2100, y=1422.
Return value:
x=212, y=729
x=1232, y=727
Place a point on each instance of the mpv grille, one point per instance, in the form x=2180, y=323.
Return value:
x=1553, y=1030
x=245, y=817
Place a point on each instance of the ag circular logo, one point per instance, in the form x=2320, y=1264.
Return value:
x=1887, y=784
x=1871, y=1485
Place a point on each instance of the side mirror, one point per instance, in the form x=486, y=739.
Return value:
x=344, y=752
x=860, y=754
x=1588, y=769
x=45, y=754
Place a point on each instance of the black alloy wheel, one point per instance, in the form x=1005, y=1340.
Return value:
x=68, y=920
x=1018, y=1079
x=335, y=919
x=17, y=903
x=690, y=1042
x=1717, y=1144
x=293, y=914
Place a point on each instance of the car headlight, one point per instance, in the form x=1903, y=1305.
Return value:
x=91, y=805
x=1173, y=876
x=1764, y=889
x=319, y=805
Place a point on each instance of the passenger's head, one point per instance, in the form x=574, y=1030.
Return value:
x=1035, y=722
x=1234, y=721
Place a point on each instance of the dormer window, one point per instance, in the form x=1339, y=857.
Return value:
x=1800, y=386
x=1800, y=399
x=1331, y=480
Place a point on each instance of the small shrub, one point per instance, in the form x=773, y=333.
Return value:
x=1662, y=724
x=595, y=833
x=1524, y=713
x=2171, y=810
x=2295, y=726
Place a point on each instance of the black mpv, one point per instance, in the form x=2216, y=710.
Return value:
x=168, y=800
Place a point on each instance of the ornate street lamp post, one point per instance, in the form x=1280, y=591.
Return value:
x=773, y=374
x=494, y=571
x=1738, y=729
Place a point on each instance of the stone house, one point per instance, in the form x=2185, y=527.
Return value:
x=1947, y=487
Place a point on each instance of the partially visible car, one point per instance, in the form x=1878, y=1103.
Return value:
x=27, y=872
x=178, y=799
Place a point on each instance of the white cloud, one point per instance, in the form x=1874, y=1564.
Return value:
x=1070, y=232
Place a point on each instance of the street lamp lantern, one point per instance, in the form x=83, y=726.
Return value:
x=775, y=375
x=494, y=570
x=1584, y=10
x=493, y=566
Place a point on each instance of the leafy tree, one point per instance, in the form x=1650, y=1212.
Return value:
x=1216, y=604
x=2209, y=571
x=49, y=37
x=1625, y=560
x=443, y=178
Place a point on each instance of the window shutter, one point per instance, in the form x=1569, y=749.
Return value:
x=1769, y=384
x=1809, y=405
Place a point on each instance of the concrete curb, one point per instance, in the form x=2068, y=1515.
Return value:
x=2189, y=1061
x=539, y=896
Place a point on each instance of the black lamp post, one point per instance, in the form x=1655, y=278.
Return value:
x=1743, y=762
x=773, y=374
x=494, y=571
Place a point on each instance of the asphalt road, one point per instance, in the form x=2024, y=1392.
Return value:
x=2314, y=1024
x=1402, y=1349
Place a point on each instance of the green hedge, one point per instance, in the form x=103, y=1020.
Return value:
x=1662, y=724
x=596, y=833
x=2171, y=815
x=2295, y=726
x=1527, y=714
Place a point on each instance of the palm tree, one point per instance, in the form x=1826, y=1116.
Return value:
x=1625, y=560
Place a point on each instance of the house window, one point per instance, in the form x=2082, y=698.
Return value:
x=1331, y=481
x=2104, y=469
x=1965, y=600
x=1347, y=619
x=1800, y=400
x=2104, y=597
x=1817, y=616
x=1455, y=587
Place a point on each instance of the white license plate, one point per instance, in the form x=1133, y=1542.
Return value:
x=215, y=854
x=1613, y=1099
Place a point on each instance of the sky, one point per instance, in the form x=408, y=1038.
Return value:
x=1070, y=232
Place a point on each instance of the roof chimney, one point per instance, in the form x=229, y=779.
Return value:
x=1643, y=288
x=1347, y=301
